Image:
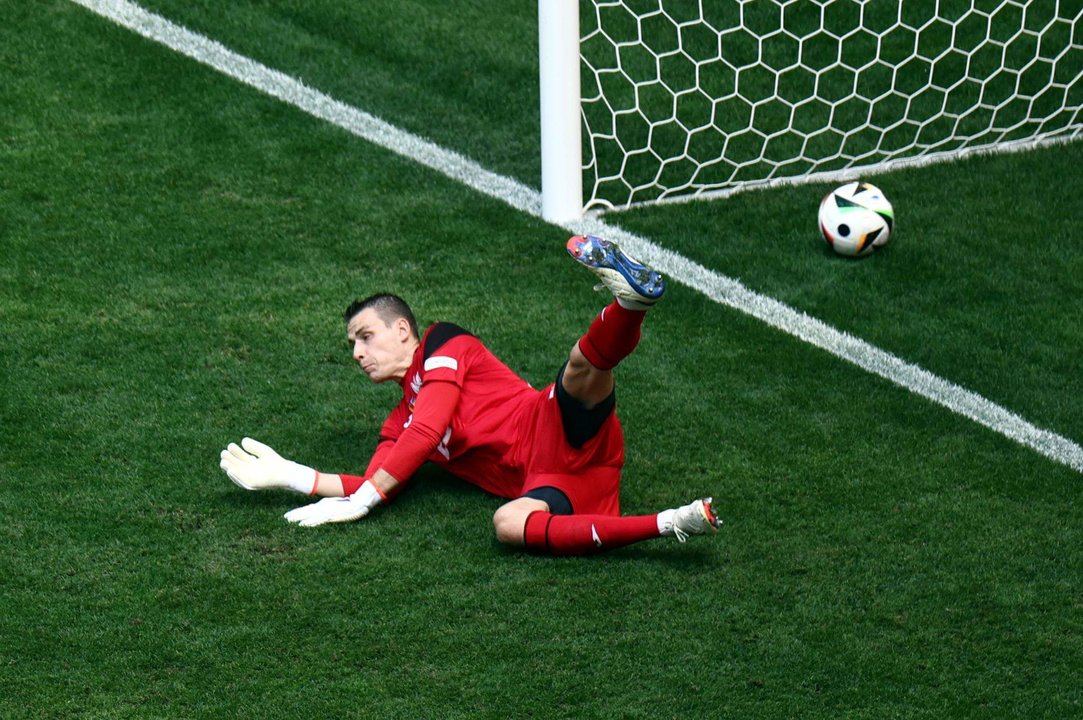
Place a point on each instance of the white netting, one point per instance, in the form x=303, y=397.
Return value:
x=683, y=98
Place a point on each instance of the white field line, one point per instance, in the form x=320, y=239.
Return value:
x=718, y=287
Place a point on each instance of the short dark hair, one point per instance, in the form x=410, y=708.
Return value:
x=388, y=307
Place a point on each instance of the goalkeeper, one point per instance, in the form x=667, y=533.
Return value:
x=556, y=454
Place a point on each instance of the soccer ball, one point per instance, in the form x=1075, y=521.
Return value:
x=856, y=219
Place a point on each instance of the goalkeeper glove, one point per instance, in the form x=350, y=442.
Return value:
x=254, y=466
x=336, y=510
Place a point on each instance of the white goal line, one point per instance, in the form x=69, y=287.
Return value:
x=718, y=287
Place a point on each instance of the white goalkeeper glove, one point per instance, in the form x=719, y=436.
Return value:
x=254, y=466
x=336, y=510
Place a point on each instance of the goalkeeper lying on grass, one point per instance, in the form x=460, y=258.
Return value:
x=556, y=454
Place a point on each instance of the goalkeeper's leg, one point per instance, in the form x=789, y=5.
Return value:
x=528, y=523
x=615, y=332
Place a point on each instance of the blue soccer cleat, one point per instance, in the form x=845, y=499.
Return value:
x=629, y=280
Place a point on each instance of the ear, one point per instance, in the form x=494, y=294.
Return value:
x=402, y=327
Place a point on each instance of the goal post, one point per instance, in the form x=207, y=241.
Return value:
x=680, y=99
x=561, y=137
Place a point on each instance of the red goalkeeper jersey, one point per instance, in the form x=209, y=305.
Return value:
x=477, y=444
x=484, y=424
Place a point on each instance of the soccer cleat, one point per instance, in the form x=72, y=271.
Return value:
x=695, y=518
x=628, y=279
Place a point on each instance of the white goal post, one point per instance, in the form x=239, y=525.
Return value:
x=666, y=100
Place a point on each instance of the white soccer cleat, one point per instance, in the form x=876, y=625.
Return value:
x=628, y=279
x=695, y=518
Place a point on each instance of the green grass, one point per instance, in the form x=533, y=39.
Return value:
x=972, y=286
x=176, y=252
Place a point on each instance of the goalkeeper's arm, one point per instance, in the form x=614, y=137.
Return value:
x=394, y=463
x=255, y=466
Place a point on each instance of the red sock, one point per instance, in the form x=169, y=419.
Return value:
x=612, y=336
x=586, y=534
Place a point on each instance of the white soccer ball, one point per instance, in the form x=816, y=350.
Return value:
x=856, y=219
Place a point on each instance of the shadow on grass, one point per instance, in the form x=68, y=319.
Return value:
x=663, y=552
x=434, y=492
x=431, y=486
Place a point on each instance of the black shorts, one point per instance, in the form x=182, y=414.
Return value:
x=581, y=423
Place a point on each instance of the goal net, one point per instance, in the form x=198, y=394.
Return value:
x=685, y=98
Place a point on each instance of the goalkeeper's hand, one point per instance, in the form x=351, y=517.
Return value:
x=254, y=466
x=336, y=510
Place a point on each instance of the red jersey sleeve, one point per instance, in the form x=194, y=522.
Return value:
x=350, y=483
x=448, y=352
x=435, y=405
x=401, y=457
x=445, y=366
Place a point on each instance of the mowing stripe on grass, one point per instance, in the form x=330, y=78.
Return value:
x=718, y=287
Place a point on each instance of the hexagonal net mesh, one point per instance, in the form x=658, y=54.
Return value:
x=683, y=98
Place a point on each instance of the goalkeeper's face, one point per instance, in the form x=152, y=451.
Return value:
x=383, y=350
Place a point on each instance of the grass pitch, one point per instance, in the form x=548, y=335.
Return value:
x=176, y=253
